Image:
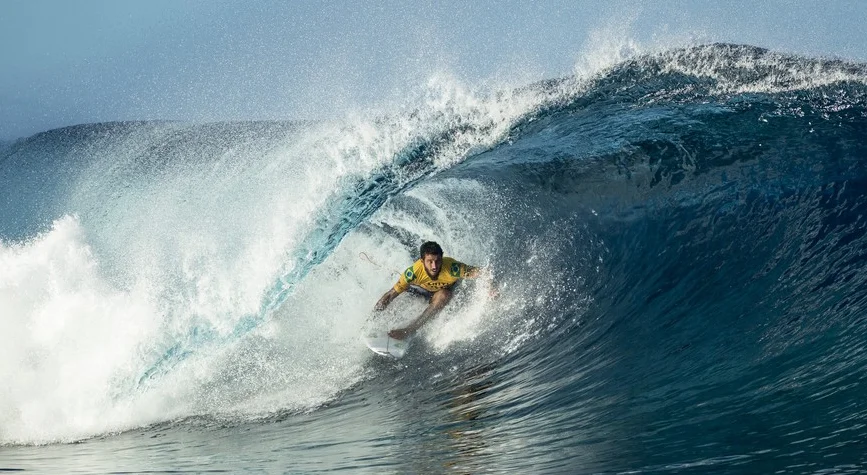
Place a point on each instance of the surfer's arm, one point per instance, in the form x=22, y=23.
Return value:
x=471, y=272
x=400, y=287
x=386, y=299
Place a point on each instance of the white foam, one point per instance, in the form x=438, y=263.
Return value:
x=66, y=336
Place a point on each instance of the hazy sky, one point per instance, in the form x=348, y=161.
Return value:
x=71, y=62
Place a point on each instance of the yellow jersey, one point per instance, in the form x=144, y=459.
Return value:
x=416, y=274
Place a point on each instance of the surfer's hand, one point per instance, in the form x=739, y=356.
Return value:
x=494, y=290
x=398, y=334
x=385, y=300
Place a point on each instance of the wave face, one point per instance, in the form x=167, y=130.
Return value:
x=679, y=242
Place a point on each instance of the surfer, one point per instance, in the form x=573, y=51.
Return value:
x=426, y=277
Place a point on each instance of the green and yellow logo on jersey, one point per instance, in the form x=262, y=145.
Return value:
x=409, y=274
x=455, y=270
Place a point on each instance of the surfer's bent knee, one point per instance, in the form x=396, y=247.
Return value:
x=441, y=297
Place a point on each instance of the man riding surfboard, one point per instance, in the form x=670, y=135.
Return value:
x=432, y=276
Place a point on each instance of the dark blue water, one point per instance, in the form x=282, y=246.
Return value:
x=679, y=243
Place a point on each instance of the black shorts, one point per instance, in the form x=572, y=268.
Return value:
x=427, y=294
x=416, y=290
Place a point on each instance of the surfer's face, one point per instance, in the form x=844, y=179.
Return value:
x=432, y=265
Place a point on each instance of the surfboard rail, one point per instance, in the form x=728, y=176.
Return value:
x=382, y=344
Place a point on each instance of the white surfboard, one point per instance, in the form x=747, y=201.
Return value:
x=382, y=344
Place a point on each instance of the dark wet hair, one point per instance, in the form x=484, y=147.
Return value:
x=430, y=247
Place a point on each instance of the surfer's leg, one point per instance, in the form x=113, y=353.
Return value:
x=437, y=302
x=440, y=299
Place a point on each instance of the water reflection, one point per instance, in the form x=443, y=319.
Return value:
x=467, y=411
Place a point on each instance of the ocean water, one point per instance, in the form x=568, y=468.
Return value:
x=678, y=240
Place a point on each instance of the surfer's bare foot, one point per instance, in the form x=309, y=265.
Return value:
x=398, y=334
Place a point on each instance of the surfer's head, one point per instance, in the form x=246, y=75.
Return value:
x=432, y=258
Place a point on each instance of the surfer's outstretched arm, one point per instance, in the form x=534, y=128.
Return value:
x=486, y=273
x=385, y=299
